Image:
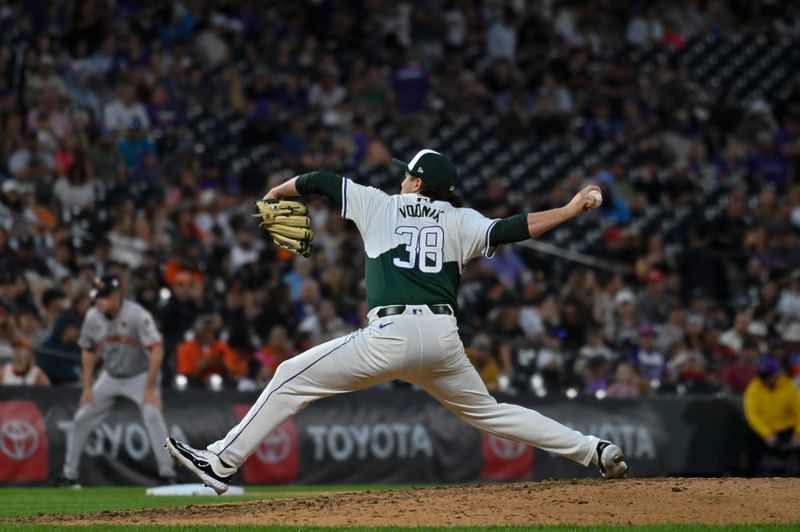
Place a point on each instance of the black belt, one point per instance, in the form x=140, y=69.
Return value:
x=393, y=310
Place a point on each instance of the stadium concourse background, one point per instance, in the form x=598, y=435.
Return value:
x=136, y=136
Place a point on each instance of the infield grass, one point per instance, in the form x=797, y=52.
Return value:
x=20, y=502
x=23, y=502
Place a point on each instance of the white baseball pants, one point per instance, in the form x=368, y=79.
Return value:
x=105, y=392
x=418, y=347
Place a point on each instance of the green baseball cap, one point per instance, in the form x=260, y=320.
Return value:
x=433, y=167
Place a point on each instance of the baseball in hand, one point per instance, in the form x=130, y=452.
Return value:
x=597, y=198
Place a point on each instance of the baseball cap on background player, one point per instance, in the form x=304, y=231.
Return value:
x=105, y=286
x=433, y=167
x=768, y=367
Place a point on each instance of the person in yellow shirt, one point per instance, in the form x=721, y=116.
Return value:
x=480, y=355
x=772, y=409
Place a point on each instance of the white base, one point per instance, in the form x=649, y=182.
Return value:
x=191, y=490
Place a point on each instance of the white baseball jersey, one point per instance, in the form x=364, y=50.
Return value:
x=123, y=341
x=33, y=377
x=416, y=248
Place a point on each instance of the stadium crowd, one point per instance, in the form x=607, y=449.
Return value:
x=101, y=171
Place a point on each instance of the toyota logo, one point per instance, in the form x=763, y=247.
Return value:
x=506, y=449
x=275, y=447
x=18, y=439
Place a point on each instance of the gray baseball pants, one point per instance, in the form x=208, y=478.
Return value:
x=105, y=391
x=417, y=346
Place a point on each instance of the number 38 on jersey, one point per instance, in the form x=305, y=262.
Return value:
x=424, y=246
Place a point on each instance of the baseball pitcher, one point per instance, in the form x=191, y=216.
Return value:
x=417, y=243
x=124, y=336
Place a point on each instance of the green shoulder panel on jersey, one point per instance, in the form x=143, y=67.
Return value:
x=388, y=284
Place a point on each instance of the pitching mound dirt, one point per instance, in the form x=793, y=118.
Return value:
x=580, y=502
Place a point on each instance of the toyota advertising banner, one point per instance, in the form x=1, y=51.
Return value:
x=23, y=443
x=367, y=437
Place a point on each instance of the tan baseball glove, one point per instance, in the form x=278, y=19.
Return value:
x=288, y=224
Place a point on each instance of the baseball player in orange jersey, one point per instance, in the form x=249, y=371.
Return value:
x=416, y=243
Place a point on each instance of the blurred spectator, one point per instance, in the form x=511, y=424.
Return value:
x=246, y=248
x=733, y=338
x=135, y=147
x=772, y=409
x=325, y=97
x=210, y=42
x=768, y=164
x=22, y=370
x=614, y=206
x=410, y=86
x=7, y=332
x=671, y=331
x=105, y=160
x=165, y=114
x=504, y=328
x=206, y=354
x=604, y=304
x=129, y=239
x=553, y=104
x=686, y=369
x=597, y=376
x=242, y=365
x=627, y=382
x=501, y=37
x=75, y=191
x=757, y=333
x=531, y=320
x=789, y=302
x=507, y=265
x=737, y=376
x=551, y=359
x=593, y=348
x=59, y=356
x=181, y=310
x=44, y=78
x=550, y=362
x=279, y=310
x=119, y=114
x=730, y=227
x=492, y=203
x=645, y=29
x=30, y=162
x=323, y=324
x=576, y=322
x=309, y=296
x=654, y=259
x=51, y=123
x=53, y=305
x=603, y=124
x=626, y=331
x=654, y=302
x=29, y=325
x=455, y=26
x=28, y=262
x=277, y=350
x=481, y=356
x=645, y=358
